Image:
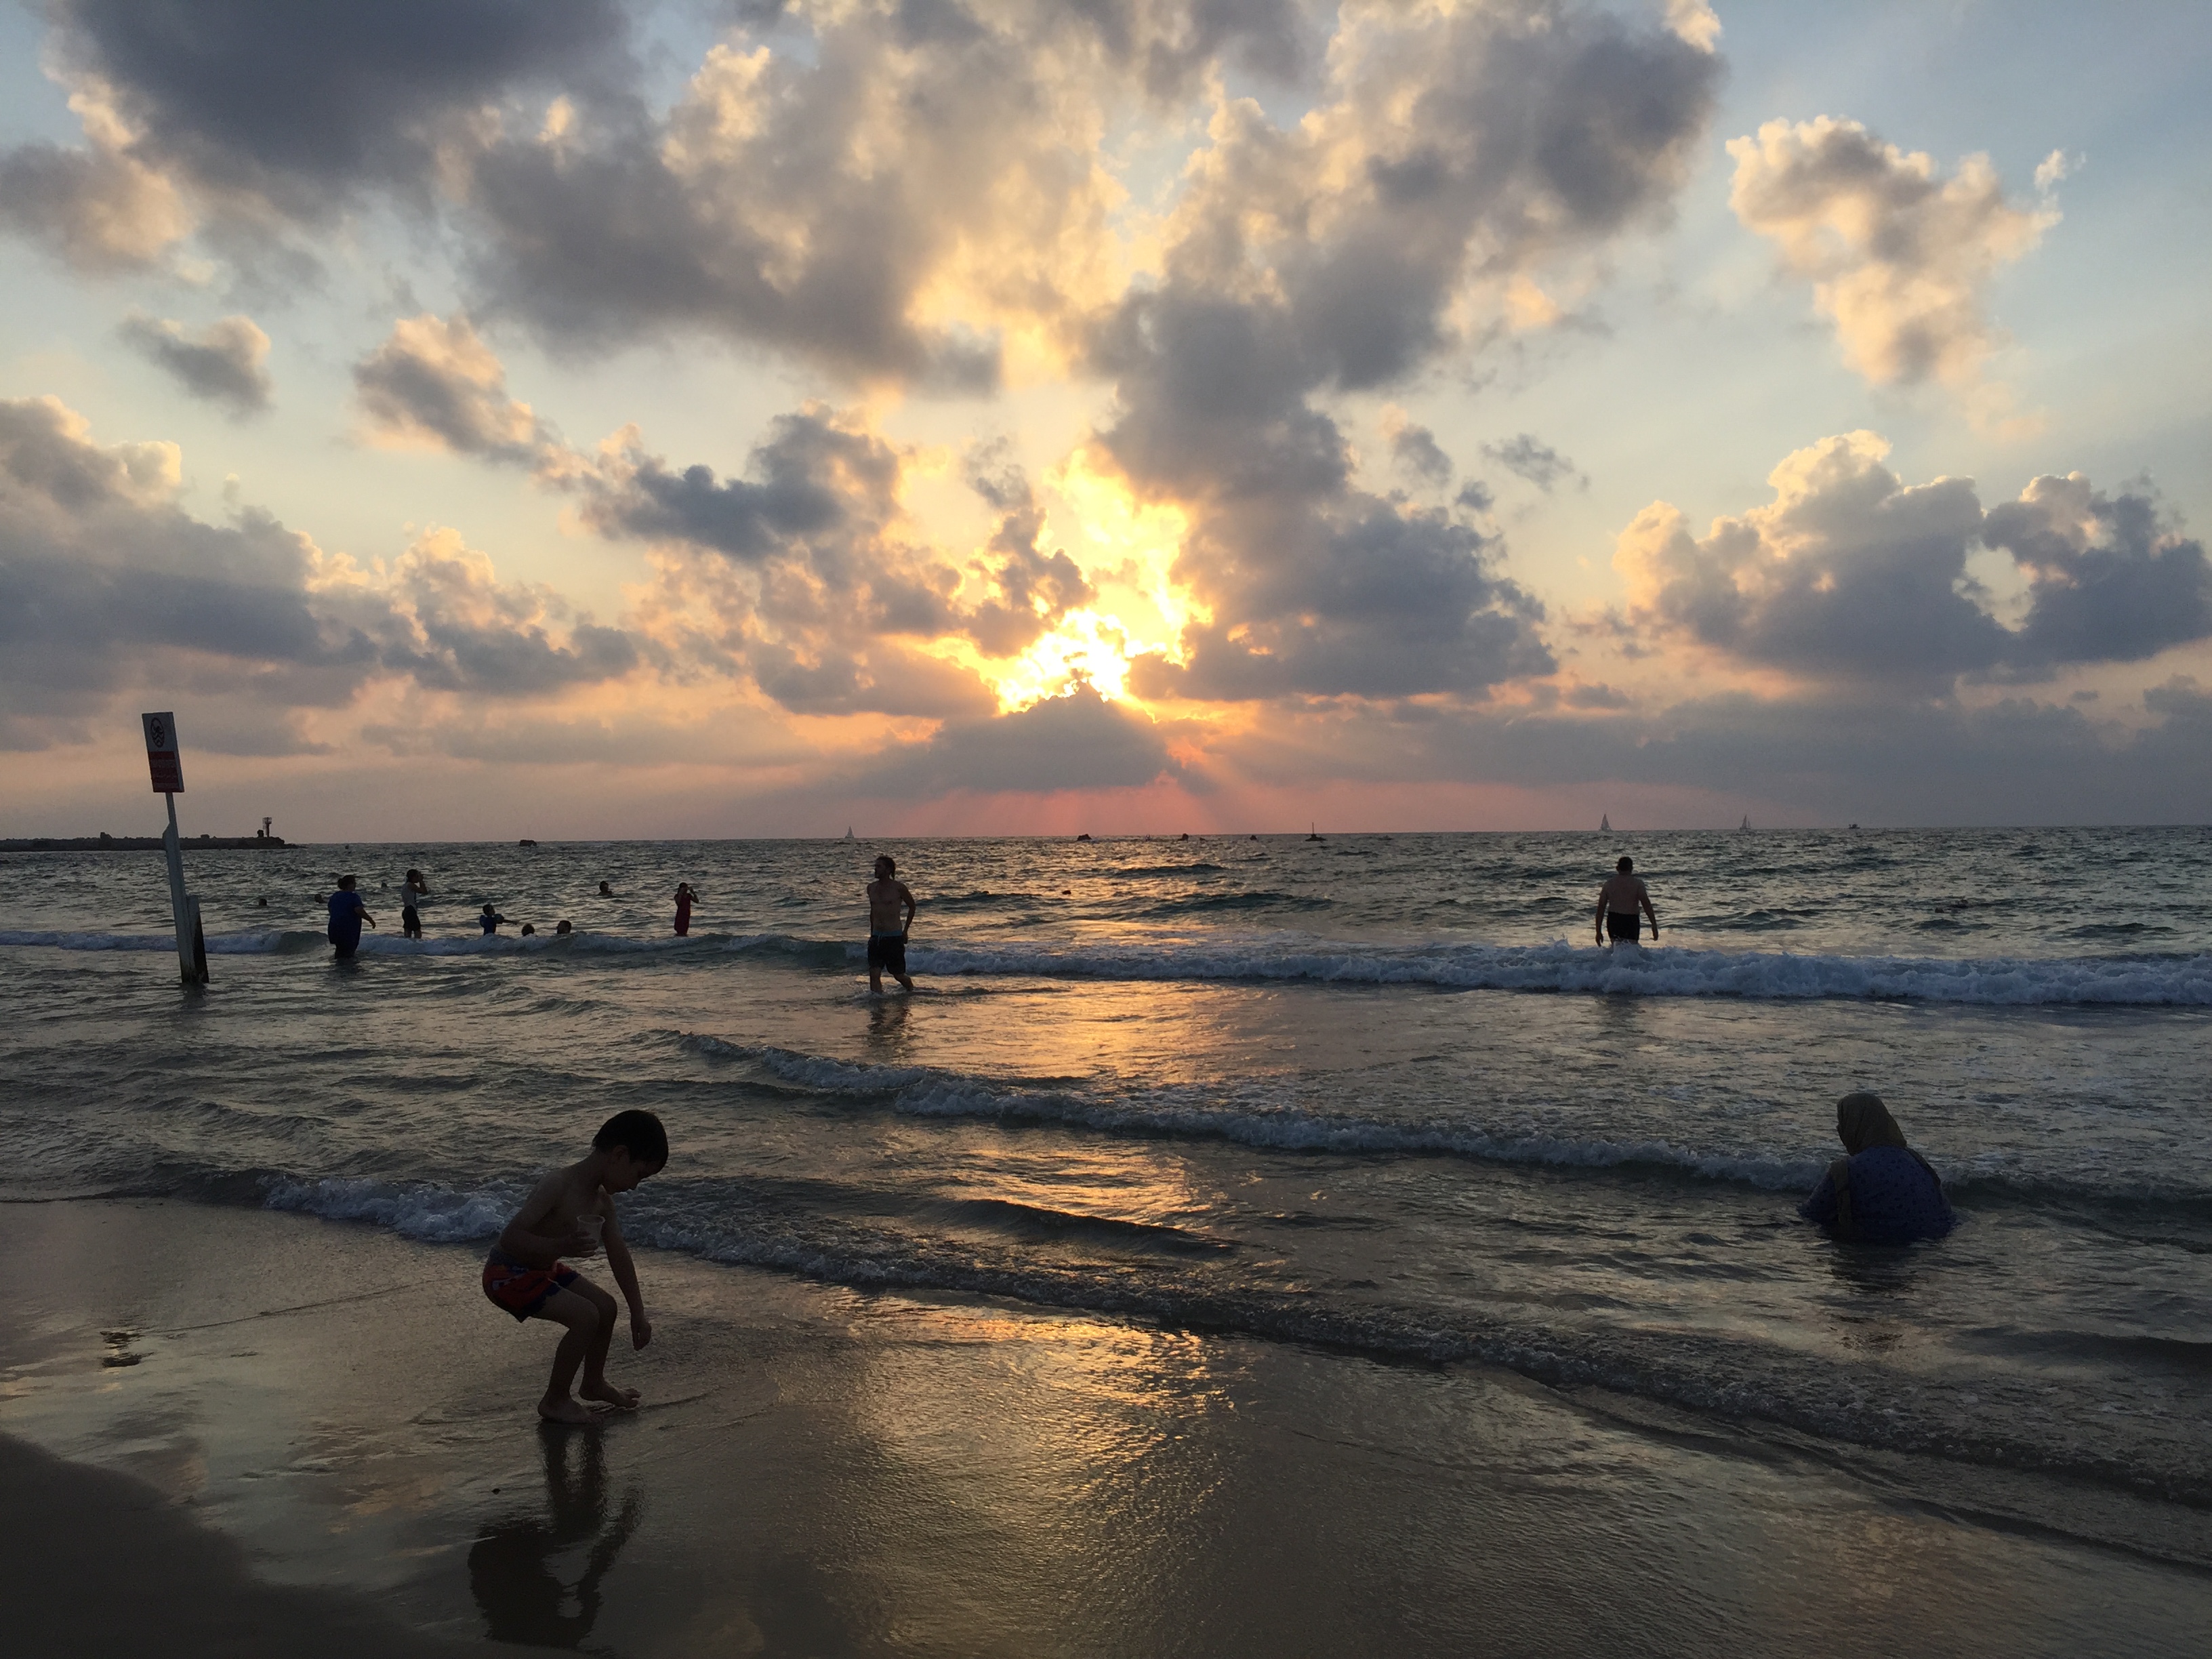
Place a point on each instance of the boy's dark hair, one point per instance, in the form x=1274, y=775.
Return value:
x=886, y=862
x=637, y=1133
x=1625, y=866
x=345, y=881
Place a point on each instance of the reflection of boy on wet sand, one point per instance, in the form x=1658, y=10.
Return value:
x=887, y=928
x=571, y=1212
x=512, y=1566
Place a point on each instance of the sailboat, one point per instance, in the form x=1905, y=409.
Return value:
x=849, y=832
x=1604, y=824
x=1745, y=824
x=1313, y=832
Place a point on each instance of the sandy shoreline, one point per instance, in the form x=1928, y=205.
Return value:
x=326, y=1427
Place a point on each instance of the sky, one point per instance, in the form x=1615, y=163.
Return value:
x=594, y=418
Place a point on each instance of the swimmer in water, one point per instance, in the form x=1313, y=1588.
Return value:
x=888, y=896
x=1617, y=902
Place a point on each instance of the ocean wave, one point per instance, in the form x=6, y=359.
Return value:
x=2138, y=980
x=1179, y=1111
x=1987, y=1419
x=438, y=1215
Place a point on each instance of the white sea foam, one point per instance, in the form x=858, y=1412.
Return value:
x=1987, y=1418
x=1557, y=966
x=415, y=1209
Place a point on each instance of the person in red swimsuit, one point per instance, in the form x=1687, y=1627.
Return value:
x=571, y=1212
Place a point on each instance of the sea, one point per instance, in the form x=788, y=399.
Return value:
x=1380, y=1095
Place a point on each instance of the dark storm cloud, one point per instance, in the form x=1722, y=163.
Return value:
x=225, y=364
x=1079, y=741
x=291, y=101
x=1850, y=575
x=1525, y=457
x=104, y=578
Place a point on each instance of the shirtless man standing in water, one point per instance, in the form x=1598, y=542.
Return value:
x=887, y=895
x=1617, y=904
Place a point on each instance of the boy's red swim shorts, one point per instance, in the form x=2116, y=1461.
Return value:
x=521, y=1289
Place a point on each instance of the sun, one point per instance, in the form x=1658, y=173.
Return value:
x=1127, y=549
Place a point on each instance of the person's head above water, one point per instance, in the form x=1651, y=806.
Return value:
x=346, y=882
x=1862, y=1120
x=564, y=927
x=886, y=865
x=1625, y=866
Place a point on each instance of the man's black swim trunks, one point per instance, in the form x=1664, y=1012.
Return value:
x=1623, y=924
x=887, y=954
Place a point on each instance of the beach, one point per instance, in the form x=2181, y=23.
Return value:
x=1236, y=1246
x=819, y=1471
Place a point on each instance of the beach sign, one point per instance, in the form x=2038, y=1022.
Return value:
x=162, y=757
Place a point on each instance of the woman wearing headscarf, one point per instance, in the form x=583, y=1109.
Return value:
x=1883, y=1192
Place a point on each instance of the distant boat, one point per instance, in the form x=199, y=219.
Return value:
x=849, y=832
x=1604, y=824
x=1315, y=829
x=1085, y=836
x=525, y=842
x=1745, y=824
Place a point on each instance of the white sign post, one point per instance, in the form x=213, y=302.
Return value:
x=166, y=762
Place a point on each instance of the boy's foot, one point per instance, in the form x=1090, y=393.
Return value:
x=623, y=1399
x=563, y=1410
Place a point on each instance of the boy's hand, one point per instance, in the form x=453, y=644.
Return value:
x=640, y=1330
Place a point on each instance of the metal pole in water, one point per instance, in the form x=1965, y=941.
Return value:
x=163, y=759
x=180, y=903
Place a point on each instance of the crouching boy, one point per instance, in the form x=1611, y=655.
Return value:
x=571, y=1212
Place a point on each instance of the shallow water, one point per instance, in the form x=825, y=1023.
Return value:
x=1376, y=1092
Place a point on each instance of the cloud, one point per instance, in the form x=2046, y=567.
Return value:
x=1539, y=463
x=433, y=382
x=885, y=203
x=1416, y=451
x=102, y=209
x=453, y=626
x=1079, y=741
x=806, y=573
x=226, y=364
x=2112, y=582
x=1454, y=154
x=1850, y=575
x=1901, y=259
x=106, y=583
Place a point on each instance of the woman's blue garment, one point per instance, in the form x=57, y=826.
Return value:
x=346, y=911
x=1895, y=1199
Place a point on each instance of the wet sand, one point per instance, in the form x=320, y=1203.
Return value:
x=283, y=1434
